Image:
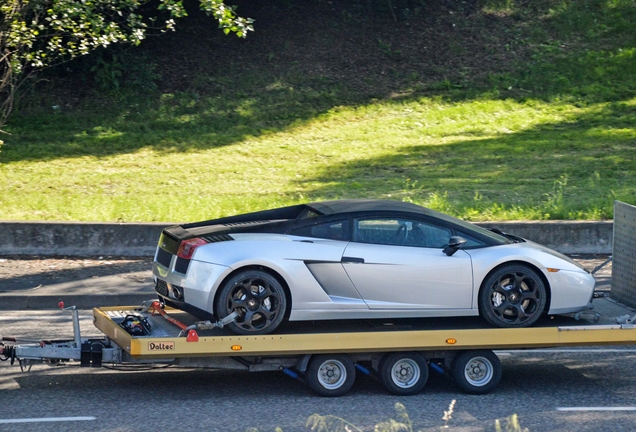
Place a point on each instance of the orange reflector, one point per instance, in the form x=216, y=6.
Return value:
x=236, y=347
x=552, y=270
x=192, y=336
x=451, y=341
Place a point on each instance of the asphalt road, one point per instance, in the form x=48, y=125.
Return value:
x=549, y=390
x=36, y=283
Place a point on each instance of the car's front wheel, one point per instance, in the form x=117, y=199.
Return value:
x=513, y=295
x=257, y=297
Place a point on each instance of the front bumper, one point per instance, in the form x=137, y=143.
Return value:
x=571, y=291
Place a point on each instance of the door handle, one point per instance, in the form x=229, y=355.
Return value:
x=352, y=260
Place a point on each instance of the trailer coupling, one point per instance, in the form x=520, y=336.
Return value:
x=88, y=351
x=55, y=353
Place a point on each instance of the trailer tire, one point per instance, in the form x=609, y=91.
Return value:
x=476, y=372
x=404, y=374
x=331, y=375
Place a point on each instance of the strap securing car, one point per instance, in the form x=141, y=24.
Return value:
x=208, y=325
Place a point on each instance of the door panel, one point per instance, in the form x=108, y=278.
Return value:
x=406, y=277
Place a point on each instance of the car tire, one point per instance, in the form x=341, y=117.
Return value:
x=258, y=297
x=476, y=372
x=513, y=295
x=331, y=375
x=404, y=374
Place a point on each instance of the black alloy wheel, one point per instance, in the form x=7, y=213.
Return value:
x=257, y=297
x=512, y=296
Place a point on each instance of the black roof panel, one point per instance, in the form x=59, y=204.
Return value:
x=358, y=205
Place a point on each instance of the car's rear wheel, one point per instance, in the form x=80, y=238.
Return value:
x=257, y=297
x=513, y=296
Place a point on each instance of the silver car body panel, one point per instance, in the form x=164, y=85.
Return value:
x=571, y=287
x=388, y=283
x=326, y=314
x=403, y=277
x=333, y=278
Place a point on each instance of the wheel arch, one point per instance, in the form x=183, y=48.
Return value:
x=262, y=268
x=544, y=279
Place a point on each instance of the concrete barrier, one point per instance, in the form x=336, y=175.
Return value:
x=140, y=239
x=79, y=239
x=569, y=237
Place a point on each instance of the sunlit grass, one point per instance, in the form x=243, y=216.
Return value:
x=479, y=159
x=552, y=136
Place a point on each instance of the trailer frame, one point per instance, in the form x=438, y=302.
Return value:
x=399, y=355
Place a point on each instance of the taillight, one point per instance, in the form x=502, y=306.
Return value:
x=187, y=247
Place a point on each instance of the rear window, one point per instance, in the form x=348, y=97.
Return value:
x=308, y=213
x=329, y=230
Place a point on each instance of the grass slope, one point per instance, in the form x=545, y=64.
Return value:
x=509, y=112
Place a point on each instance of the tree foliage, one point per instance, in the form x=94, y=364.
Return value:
x=35, y=34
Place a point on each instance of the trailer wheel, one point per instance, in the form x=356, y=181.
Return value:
x=331, y=375
x=477, y=372
x=404, y=374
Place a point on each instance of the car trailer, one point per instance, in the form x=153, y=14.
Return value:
x=325, y=355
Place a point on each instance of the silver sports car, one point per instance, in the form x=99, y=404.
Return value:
x=353, y=259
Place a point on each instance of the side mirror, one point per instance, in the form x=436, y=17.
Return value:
x=454, y=244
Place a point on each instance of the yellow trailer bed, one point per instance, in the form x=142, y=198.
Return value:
x=360, y=337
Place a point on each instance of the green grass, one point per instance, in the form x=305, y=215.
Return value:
x=553, y=137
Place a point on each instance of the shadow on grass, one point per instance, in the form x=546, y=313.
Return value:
x=533, y=167
x=276, y=80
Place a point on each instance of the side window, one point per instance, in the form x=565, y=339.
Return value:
x=376, y=231
x=400, y=232
x=331, y=231
x=431, y=236
x=471, y=242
